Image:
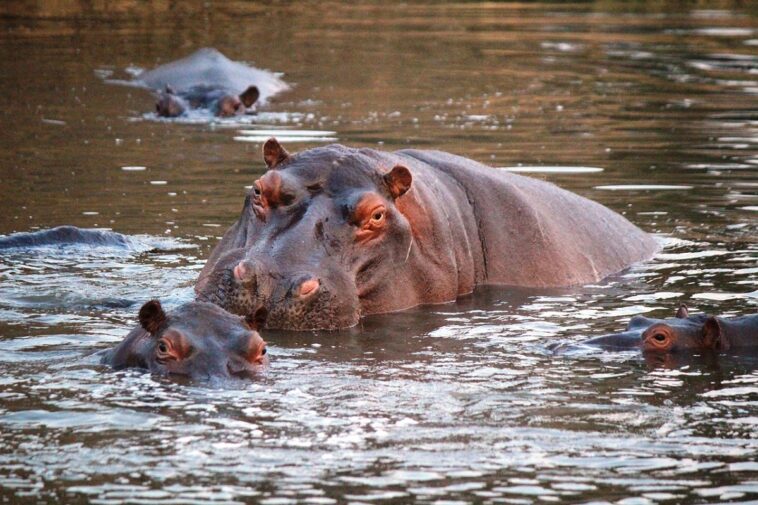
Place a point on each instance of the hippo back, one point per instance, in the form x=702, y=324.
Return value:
x=532, y=232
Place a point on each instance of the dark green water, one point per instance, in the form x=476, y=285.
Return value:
x=458, y=403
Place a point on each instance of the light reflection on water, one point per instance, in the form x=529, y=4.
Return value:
x=454, y=402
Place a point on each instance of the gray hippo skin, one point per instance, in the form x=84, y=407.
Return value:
x=332, y=234
x=209, y=80
x=66, y=235
x=198, y=340
x=684, y=332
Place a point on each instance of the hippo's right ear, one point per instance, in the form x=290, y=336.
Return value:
x=682, y=312
x=273, y=153
x=250, y=96
x=152, y=317
x=170, y=90
x=713, y=335
x=258, y=320
x=398, y=181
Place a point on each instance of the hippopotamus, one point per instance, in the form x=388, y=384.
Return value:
x=334, y=233
x=207, y=79
x=219, y=101
x=198, y=339
x=66, y=235
x=683, y=332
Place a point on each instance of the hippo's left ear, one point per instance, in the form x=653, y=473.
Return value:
x=152, y=317
x=682, y=312
x=250, y=96
x=273, y=153
x=258, y=320
x=398, y=181
x=713, y=335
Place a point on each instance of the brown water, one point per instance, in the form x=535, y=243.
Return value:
x=457, y=403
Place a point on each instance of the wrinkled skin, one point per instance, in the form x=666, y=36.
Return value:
x=682, y=333
x=332, y=234
x=197, y=340
x=220, y=102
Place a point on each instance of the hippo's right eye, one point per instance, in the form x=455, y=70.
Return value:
x=659, y=338
x=257, y=191
x=162, y=347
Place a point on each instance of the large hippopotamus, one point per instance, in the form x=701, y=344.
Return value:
x=683, y=332
x=334, y=233
x=198, y=340
x=207, y=79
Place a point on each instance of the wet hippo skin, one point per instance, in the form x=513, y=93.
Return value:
x=332, y=234
x=207, y=79
x=198, y=340
x=684, y=332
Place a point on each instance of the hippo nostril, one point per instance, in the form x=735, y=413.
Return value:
x=308, y=287
x=240, y=271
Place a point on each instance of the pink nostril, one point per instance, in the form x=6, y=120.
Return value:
x=240, y=271
x=308, y=287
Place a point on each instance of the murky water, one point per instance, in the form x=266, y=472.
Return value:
x=651, y=112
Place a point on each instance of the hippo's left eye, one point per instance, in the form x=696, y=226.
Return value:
x=377, y=216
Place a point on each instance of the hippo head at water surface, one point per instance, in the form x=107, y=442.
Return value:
x=331, y=234
x=321, y=245
x=199, y=340
x=682, y=333
x=171, y=103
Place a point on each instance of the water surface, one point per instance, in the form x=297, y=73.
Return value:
x=652, y=112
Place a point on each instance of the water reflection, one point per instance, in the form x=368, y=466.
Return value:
x=456, y=402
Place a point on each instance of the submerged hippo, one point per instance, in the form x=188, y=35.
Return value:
x=197, y=339
x=209, y=80
x=332, y=234
x=61, y=236
x=683, y=333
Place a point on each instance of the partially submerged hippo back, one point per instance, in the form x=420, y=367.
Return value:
x=197, y=339
x=331, y=234
x=64, y=236
x=684, y=332
x=208, y=79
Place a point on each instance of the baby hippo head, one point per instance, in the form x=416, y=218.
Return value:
x=231, y=105
x=200, y=340
x=169, y=104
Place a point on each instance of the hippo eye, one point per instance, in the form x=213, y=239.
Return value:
x=162, y=347
x=257, y=191
x=378, y=215
x=263, y=352
x=660, y=337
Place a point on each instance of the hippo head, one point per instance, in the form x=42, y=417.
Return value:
x=230, y=105
x=320, y=242
x=169, y=104
x=680, y=333
x=197, y=339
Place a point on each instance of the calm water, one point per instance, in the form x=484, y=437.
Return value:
x=456, y=403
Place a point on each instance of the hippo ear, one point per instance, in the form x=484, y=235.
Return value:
x=273, y=153
x=258, y=320
x=398, y=181
x=170, y=90
x=713, y=335
x=682, y=312
x=250, y=96
x=152, y=317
